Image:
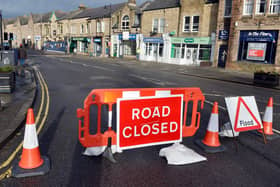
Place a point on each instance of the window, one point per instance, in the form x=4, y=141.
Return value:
x=175, y=50
x=87, y=28
x=248, y=7
x=82, y=29
x=155, y=25
x=125, y=23
x=98, y=26
x=191, y=26
x=61, y=29
x=274, y=6
x=228, y=5
x=47, y=29
x=162, y=25
x=187, y=24
x=204, y=52
x=195, y=26
x=261, y=6
x=159, y=25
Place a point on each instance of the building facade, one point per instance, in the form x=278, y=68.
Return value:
x=179, y=32
x=253, y=37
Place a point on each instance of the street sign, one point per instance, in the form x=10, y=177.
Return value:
x=148, y=121
x=244, y=114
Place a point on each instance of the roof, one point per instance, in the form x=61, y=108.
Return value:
x=71, y=14
x=23, y=20
x=106, y=11
x=46, y=17
x=162, y=4
x=9, y=21
x=84, y=14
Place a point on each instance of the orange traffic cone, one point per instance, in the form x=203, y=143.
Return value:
x=211, y=142
x=267, y=121
x=31, y=162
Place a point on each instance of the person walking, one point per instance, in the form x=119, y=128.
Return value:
x=22, y=56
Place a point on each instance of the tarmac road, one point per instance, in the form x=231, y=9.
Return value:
x=71, y=79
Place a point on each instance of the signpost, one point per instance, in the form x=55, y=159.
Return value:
x=148, y=121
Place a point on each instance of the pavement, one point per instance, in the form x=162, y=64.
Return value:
x=14, y=106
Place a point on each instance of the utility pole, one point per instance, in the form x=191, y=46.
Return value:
x=1, y=33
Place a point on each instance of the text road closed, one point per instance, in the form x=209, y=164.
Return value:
x=149, y=121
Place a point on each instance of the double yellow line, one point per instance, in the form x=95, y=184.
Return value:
x=41, y=116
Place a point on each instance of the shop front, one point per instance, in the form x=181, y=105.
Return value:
x=127, y=45
x=258, y=46
x=79, y=45
x=152, y=49
x=190, y=51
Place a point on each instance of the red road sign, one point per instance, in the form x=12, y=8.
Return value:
x=149, y=121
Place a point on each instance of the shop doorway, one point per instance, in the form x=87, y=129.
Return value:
x=222, y=56
x=191, y=54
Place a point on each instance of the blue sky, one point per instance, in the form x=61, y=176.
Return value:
x=13, y=8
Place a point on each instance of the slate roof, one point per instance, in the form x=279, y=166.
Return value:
x=9, y=21
x=46, y=16
x=99, y=12
x=71, y=14
x=23, y=20
x=106, y=11
x=162, y=4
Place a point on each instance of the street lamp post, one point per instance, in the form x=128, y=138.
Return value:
x=1, y=33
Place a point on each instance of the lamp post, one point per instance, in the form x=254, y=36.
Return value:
x=1, y=33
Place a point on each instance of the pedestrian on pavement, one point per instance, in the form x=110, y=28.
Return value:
x=22, y=56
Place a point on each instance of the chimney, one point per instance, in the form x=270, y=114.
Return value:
x=132, y=3
x=82, y=7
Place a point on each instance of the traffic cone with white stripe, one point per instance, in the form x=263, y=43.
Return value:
x=31, y=162
x=268, y=120
x=211, y=142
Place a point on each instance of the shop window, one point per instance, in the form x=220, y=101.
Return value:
x=155, y=25
x=148, y=49
x=175, y=50
x=195, y=26
x=274, y=6
x=248, y=7
x=260, y=6
x=125, y=23
x=187, y=23
x=228, y=6
x=204, y=52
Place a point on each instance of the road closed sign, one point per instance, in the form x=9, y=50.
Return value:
x=244, y=114
x=148, y=121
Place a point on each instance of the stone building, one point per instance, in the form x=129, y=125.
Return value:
x=254, y=35
x=179, y=31
x=125, y=29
